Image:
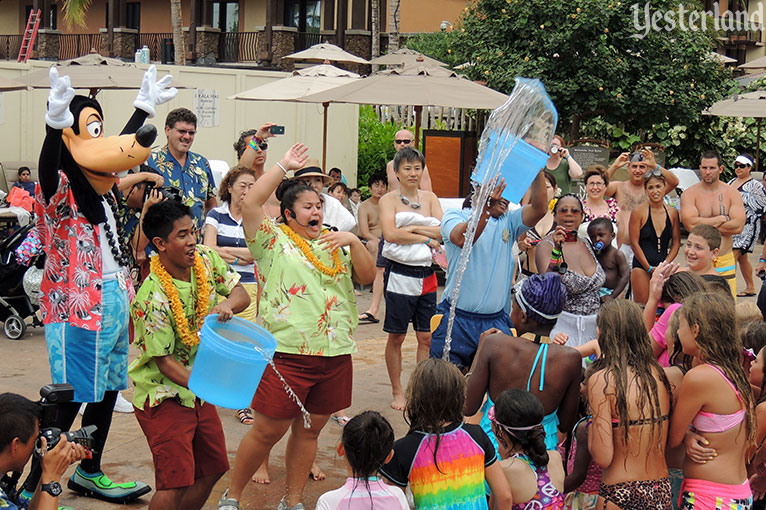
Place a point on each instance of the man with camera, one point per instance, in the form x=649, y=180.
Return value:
x=19, y=430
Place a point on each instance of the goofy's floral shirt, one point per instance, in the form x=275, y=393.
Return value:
x=72, y=280
x=307, y=311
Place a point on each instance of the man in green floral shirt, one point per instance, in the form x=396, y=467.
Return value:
x=184, y=433
x=186, y=170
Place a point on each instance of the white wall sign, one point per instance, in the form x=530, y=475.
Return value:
x=207, y=105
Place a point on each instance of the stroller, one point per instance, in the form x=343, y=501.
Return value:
x=15, y=304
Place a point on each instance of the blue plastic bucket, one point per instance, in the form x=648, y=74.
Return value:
x=519, y=168
x=230, y=361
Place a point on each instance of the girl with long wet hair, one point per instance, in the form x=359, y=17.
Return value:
x=716, y=401
x=444, y=461
x=631, y=400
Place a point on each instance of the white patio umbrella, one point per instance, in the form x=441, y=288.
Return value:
x=750, y=104
x=416, y=85
x=326, y=52
x=406, y=56
x=305, y=82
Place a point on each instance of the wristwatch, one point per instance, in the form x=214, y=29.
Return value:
x=53, y=488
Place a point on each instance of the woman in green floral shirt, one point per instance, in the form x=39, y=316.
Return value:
x=308, y=305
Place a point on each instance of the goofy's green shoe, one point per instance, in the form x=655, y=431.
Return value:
x=99, y=486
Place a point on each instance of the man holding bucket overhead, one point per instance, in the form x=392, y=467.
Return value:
x=308, y=304
x=184, y=433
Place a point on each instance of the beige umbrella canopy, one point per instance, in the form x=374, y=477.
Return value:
x=416, y=85
x=723, y=59
x=759, y=63
x=406, y=56
x=93, y=72
x=302, y=83
x=7, y=85
x=750, y=104
x=326, y=52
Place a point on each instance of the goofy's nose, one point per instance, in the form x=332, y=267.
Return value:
x=145, y=135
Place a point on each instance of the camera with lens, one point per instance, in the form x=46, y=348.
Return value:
x=51, y=396
x=167, y=192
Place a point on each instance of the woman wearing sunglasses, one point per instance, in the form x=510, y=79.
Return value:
x=562, y=251
x=754, y=197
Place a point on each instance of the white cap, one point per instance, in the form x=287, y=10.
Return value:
x=743, y=160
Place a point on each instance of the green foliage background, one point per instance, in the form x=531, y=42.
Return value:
x=606, y=83
x=376, y=144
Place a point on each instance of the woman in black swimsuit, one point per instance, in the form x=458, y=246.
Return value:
x=651, y=245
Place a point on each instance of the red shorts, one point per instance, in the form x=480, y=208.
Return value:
x=323, y=384
x=186, y=443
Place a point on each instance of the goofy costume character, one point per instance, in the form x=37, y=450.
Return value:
x=86, y=288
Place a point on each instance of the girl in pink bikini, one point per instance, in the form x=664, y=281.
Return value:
x=714, y=400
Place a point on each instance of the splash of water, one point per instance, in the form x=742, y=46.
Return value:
x=528, y=113
x=293, y=396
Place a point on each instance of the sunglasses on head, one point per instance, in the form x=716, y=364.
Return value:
x=656, y=173
x=405, y=142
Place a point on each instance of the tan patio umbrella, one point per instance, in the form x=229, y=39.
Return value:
x=93, y=72
x=305, y=82
x=723, y=59
x=750, y=104
x=416, y=85
x=406, y=56
x=326, y=52
x=759, y=63
x=7, y=85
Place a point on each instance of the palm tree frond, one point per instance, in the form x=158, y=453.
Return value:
x=75, y=11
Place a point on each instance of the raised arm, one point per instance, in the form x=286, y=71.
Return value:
x=618, y=163
x=252, y=209
x=538, y=203
x=248, y=156
x=495, y=207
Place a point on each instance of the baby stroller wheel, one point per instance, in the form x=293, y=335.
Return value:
x=14, y=327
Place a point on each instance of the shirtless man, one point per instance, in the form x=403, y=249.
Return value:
x=713, y=202
x=409, y=280
x=631, y=193
x=404, y=138
x=370, y=229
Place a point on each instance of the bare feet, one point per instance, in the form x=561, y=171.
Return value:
x=398, y=403
x=262, y=475
x=316, y=473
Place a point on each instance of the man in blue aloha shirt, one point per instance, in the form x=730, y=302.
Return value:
x=186, y=170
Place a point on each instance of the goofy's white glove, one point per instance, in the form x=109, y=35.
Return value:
x=58, y=115
x=153, y=92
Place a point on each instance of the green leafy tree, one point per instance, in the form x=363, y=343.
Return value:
x=376, y=144
x=598, y=73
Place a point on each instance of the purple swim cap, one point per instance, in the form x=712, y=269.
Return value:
x=541, y=297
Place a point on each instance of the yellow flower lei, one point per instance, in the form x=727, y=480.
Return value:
x=189, y=337
x=304, y=247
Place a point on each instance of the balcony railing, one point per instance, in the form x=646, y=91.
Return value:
x=306, y=40
x=740, y=32
x=77, y=45
x=153, y=40
x=9, y=46
x=238, y=47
